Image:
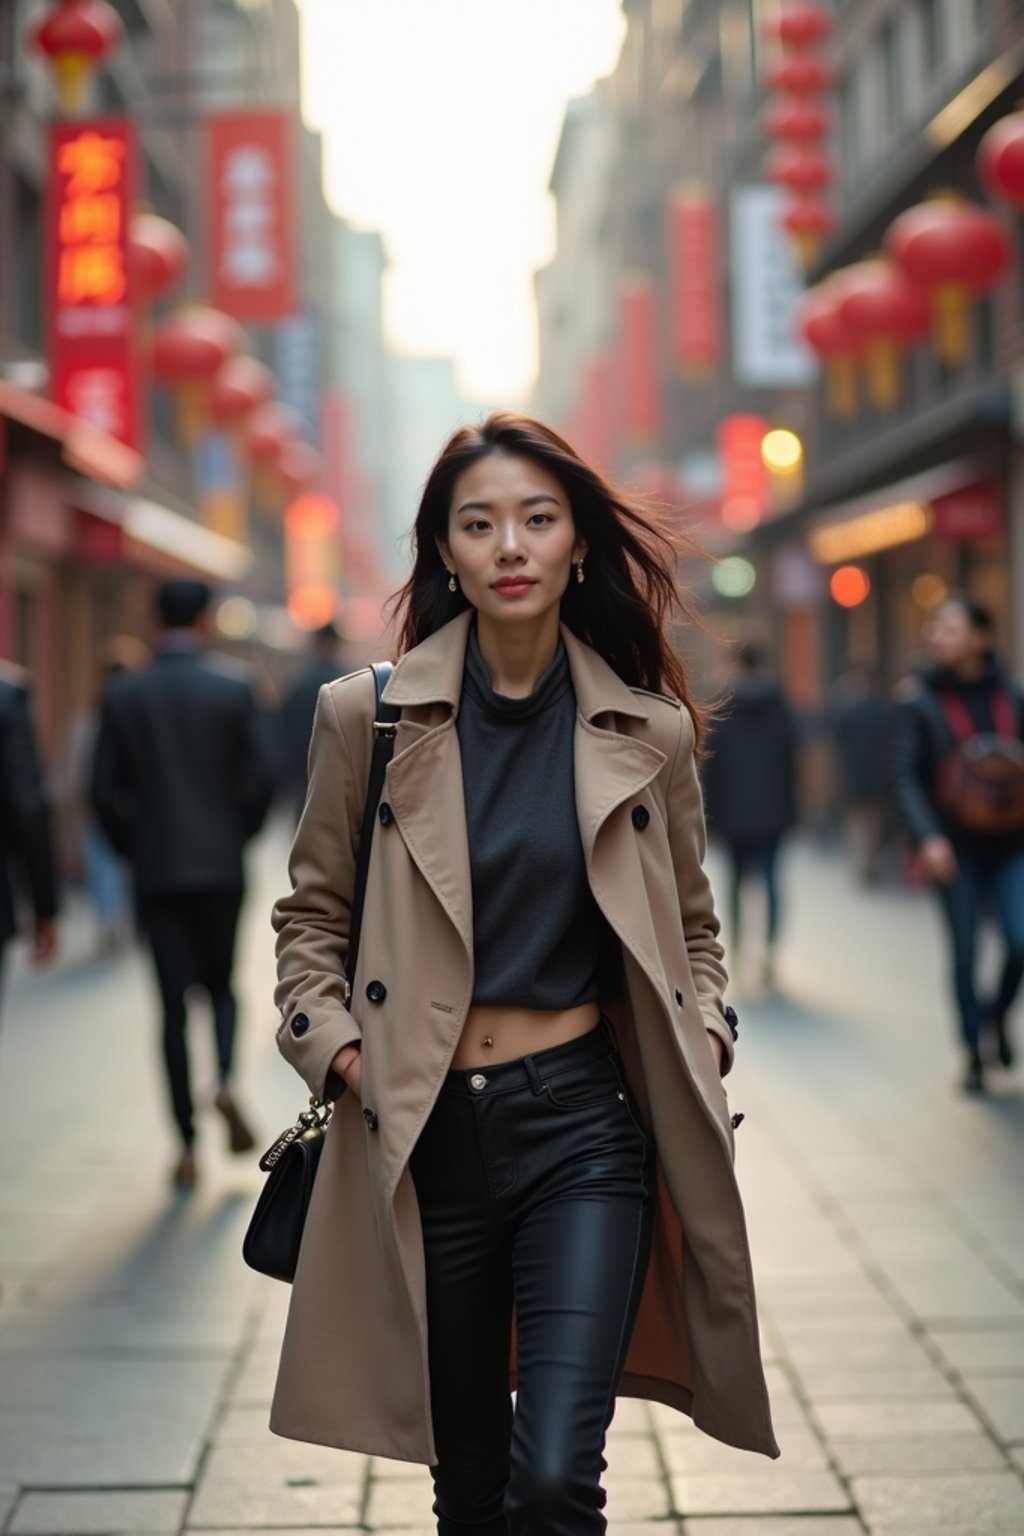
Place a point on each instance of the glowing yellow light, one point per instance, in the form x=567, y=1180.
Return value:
x=928, y=590
x=781, y=450
x=872, y=531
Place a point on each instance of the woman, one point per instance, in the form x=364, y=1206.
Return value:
x=503, y=1193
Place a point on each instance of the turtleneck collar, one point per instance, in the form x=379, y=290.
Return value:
x=552, y=685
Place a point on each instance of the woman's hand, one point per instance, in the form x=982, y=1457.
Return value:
x=939, y=859
x=718, y=1046
x=348, y=1064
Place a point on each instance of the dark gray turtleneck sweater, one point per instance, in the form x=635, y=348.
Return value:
x=540, y=940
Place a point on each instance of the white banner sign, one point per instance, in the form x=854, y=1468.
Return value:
x=766, y=283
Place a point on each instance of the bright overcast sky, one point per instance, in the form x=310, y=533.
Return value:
x=441, y=119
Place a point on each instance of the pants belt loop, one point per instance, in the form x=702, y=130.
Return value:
x=533, y=1074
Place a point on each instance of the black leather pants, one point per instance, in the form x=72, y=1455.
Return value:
x=534, y=1181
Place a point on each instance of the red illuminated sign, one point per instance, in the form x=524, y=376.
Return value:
x=744, y=477
x=694, y=272
x=972, y=512
x=92, y=356
x=251, y=215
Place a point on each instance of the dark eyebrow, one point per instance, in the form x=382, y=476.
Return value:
x=487, y=506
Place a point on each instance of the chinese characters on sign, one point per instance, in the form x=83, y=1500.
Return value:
x=250, y=215
x=92, y=361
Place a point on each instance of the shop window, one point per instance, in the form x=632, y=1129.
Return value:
x=27, y=309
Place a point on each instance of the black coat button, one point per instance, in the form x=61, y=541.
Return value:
x=732, y=1019
x=300, y=1024
x=386, y=814
x=641, y=817
x=376, y=991
x=738, y=1119
x=679, y=997
x=370, y=1116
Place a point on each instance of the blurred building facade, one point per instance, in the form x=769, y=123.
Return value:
x=694, y=316
x=86, y=526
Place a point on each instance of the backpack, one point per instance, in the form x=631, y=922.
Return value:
x=981, y=780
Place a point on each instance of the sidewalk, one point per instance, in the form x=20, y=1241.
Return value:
x=137, y=1353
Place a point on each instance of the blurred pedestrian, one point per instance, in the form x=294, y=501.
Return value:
x=27, y=864
x=295, y=717
x=106, y=876
x=181, y=782
x=536, y=1023
x=750, y=792
x=858, y=719
x=958, y=774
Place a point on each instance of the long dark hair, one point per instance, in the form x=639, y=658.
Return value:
x=631, y=593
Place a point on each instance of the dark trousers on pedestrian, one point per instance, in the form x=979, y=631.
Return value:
x=980, y=883
x=192, y=940
x=762, y=860
x=534, y=1179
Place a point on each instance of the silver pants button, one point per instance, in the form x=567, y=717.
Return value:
x=478, y=1081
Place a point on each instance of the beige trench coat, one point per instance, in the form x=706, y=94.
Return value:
x=353, y=1369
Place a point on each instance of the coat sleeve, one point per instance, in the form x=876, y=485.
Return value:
x=25, y=807
x=113, y=793
x=312, y=924
x=910, y=773
x=688, y=839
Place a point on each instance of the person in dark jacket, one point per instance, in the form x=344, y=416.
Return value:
x=858, y=719
x=749, y=789
x=182, y=780
x=295, y=718
x=970, y=870
x=26, y=840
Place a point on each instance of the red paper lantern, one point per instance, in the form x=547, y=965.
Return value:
x=955, y=250
x=800, y=25
x=819, y=320
x=801, y=170
x=159, y=252
x=638, y=361
x=880, y=305
x=802, y=122
x=270, y=427
x=75, y=36
x=188, y=349
x=239, y=387
x=1001, y=159
x=808, y=220
x=801, y=74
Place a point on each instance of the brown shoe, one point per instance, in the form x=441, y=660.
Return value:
x=240, y=1137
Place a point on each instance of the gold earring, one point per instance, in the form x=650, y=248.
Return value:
x=453, y=585
x=579, y=573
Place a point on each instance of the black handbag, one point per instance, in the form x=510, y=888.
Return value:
x=274, y=1235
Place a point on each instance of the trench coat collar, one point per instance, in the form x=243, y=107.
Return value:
x=431, y=673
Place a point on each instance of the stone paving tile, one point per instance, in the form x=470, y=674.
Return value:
x=99, y=1514
x=243, y=1426
x=913, y=1455
x=8, y=1499
x=801, y=1451
x=869, y=1420
x=769, y=1525
x=826, y=1384
x=634, y=1498
x=401, y=1502
x=978, y=1503
x=282, y=1483
x=757, y=1493
x=255, y=1382
x=976, y=1351
x=1001, y=1400
x=385, y=1471
x=159, y=1460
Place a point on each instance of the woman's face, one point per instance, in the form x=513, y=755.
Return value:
x=951, y=638
x=511, y=538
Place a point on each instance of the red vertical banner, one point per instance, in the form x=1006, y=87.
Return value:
x=640, y=411
x=595, y=427
x=250, y=215
x=744, y=476
x=693, y=263
x=90, y=192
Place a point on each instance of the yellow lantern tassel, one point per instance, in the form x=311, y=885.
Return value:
x=883, y=371
x=807, y=246
x=190, y=404
x=72, y=71
x=950, y=321
x=841, y=385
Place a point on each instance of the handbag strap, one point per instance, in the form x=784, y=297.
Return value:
x=385, y=718
x=961, y=723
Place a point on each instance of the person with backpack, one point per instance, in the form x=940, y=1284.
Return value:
x=958, y=778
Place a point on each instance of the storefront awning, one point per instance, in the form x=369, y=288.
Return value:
x=83, y=448
x=906, y=510
x=116, y=529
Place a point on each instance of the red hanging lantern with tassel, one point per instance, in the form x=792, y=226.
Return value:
x=800, y=170
x=808, y=220
x=188, y=349
x=799, y=122
x=880, y=304
x=799, y=25
x=800, y=74
x=75, y=36
x=160, y=255
x=1001, y=159
x=956, y=251
x=820, y=322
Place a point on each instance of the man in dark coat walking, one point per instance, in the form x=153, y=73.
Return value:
x=26, y=842
x=749, y=790
x=182, y=781
x=969, y=869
